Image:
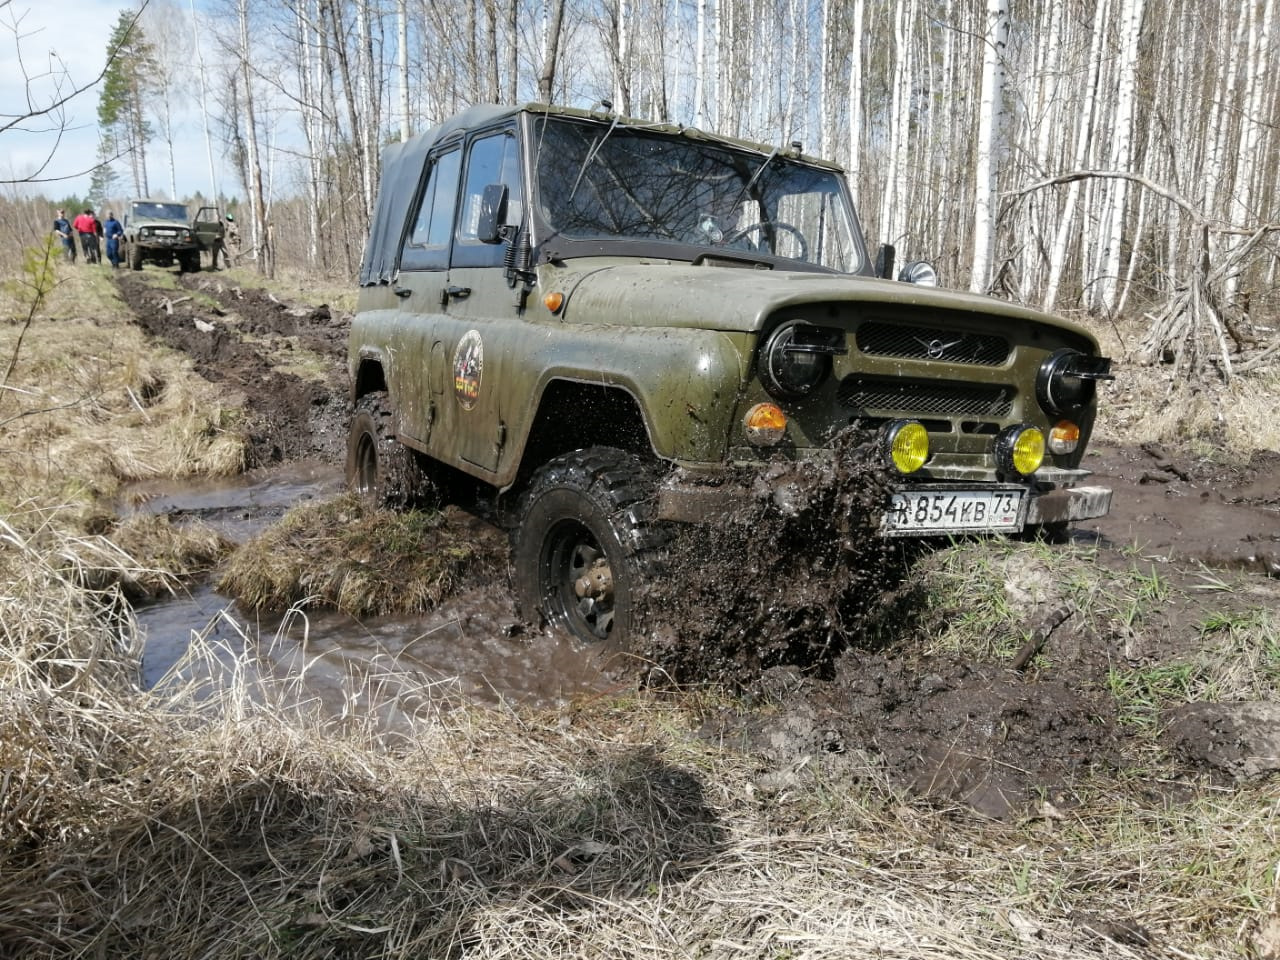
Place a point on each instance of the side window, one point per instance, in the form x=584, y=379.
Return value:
x=491, y=159
x=427, y=247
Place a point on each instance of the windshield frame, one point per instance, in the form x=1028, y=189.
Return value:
x=549, y=244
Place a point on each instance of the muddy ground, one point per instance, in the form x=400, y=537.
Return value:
x=983, y=734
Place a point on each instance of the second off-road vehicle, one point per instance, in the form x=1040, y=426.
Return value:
x=164, y=232
x=603, y=320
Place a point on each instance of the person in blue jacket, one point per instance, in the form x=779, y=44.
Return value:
x=113, y=233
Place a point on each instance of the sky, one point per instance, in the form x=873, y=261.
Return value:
x=34, y=34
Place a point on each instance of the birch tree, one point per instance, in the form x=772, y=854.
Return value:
x=990, y=113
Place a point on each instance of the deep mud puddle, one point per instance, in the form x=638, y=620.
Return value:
x=469, y=648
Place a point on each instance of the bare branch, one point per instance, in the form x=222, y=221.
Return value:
x=55, y=106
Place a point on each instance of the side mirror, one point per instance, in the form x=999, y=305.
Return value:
x=884, y=261
x=493, y=213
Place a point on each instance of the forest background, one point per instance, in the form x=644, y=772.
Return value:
x=1080, y=155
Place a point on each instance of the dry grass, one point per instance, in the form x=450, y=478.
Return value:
x=292, y=283
x=359, y=560
x=92, y=404
x=1150, y=403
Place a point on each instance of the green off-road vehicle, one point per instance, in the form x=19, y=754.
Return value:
x=602, y=319
x=163, y=232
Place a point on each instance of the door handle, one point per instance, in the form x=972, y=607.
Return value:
x=453, y=293
x=402, y=292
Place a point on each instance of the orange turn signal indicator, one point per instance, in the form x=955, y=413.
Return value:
x=553, y=301
x=765, y=424
x=1064, y=437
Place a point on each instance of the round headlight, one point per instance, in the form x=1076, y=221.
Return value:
x=1059, y=384
x=906, y=444
x=791, y=369
x=1020, y=450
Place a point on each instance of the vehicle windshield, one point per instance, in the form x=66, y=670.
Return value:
x=599, y=184
x=160, y=211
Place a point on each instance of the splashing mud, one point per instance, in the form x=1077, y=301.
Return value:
x=790, y=577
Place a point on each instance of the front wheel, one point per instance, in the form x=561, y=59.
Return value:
x=380, y=468
x=585, y=540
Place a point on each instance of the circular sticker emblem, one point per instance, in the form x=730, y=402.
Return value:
x=468, y=366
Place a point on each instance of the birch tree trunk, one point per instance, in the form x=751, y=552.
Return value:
x=1083, y=136
x=546, y=82
x=1108, y=282
x=991, y=110
x=855, y=99
x=257, y=206
x=402, y=64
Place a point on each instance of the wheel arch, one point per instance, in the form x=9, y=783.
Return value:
x=369, y=378
x=572, y=414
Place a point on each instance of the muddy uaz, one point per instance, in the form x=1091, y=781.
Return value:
x=599, y=318
x=163, y=232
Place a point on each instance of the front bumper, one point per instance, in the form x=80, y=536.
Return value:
x=686, y=500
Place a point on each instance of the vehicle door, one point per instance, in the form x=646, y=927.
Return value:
x=480, y=321
x=207, y=227
x=416, y=365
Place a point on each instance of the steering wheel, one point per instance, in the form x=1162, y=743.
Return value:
x=763, y=226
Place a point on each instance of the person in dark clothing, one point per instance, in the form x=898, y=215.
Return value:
x=114, y=233
x=62, y=227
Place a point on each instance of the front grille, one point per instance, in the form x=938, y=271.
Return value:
x=932, y=343
x=924, y=397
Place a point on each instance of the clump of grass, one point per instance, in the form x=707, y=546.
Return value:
x=1244, y=653
x=984, y=596
x=360, y=560
x=59, y=633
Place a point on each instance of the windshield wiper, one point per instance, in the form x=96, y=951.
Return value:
x=591, y=155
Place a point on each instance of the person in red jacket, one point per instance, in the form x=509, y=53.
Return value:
x=87, y=226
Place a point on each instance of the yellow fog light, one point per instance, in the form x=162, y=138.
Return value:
x=906, y=442
x=1064, y=437
x=1020, y=450
x=765, y=424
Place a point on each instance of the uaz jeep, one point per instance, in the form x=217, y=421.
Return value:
x=162, y=232
x=598, y=316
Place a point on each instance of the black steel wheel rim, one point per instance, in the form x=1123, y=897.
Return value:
x=569, y=552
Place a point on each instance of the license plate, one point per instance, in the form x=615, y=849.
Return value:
x=953, y=511
x=166, y=233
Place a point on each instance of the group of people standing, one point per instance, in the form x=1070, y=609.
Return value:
x=91, y=231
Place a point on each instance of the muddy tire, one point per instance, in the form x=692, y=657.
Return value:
x=189, y=262
x=379, y=467
x=585, y=541
x=135, y=256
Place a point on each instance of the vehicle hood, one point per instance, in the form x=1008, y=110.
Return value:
x=740, y=299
